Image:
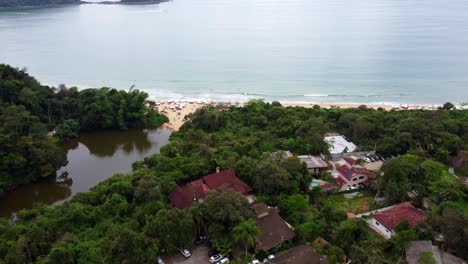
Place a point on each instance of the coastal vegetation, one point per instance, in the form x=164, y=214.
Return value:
x=128, y=218
x=29, y=110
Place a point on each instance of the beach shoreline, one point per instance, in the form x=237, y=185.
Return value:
x=177, y=109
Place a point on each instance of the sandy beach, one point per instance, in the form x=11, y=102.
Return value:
x=176, y=110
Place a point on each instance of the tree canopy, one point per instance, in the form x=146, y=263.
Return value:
x=132, y=211
x=29, y=110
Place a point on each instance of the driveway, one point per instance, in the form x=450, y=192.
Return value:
x=376, y=165
x=199, y=256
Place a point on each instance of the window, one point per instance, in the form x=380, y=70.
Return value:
x=354, y=179
x=354, y=185
x=377, y=223
x=362, y=177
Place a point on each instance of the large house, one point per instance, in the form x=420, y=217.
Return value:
x=338, y=144
x=273, y=229
x=350, y=175
x=185, y=196
x=385, y=222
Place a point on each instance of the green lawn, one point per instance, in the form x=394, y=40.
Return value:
x=361, y=203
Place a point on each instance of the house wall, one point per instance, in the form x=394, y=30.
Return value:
x=358, y=179
x=313, y=170
x=353, y=182
x=381, y=229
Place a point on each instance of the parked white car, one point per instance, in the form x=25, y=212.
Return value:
x=267, y=259
x=216, y=258
x=223, y=261
x=255, y=261
x=185, y=252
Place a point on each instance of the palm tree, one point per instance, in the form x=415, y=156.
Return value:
x=245, y=233
x=197, y=215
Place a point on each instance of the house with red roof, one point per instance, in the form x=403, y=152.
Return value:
x=351, y=177
x=350, y=161
x=385, y=222
x=185, y=196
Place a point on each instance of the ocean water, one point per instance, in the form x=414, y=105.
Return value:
x=289, y=50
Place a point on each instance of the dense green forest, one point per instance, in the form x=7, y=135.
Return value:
x=34, y=3
x=29, y=110
x=127, y=218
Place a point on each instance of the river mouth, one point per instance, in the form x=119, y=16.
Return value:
x=92, y=158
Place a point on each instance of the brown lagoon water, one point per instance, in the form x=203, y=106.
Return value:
x=94, y=157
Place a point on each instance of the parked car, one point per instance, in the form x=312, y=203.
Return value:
x=366, y=159
x=212, y=252
x=160, y=261
x=255, y=261
x=223, y=261
x=216, y=258
x=185, y=252
x=200, y=240
x=267, y=259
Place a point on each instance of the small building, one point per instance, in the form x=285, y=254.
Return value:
x=416, y=251
x=273, y=229
x=385, y=222
x=314, y=164
x=185, y=196
x=300, y=255
x=339, y=144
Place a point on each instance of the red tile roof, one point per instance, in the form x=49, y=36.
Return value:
x=227, y=179
x=340, y=181
x=399, y=213
x=351, y=161
x=181, y=198
x=353, y=171
x=184, y=196
x=327, y=186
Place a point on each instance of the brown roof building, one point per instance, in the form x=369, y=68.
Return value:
x=273, y=229
x=300, y=255
x=314, y=163
x=195, y=191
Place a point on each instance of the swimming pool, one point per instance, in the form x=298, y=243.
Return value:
x=314, y=184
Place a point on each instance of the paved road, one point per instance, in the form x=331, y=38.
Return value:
x=199, y=256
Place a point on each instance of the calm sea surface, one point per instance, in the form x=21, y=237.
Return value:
x=291, y=50
x=94, y=157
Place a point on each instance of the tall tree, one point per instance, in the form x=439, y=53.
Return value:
x=245, y=233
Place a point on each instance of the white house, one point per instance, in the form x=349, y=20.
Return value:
x=386, y=221
x=339, y=144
